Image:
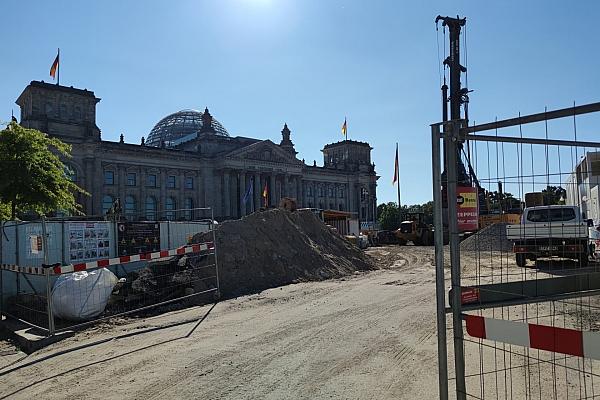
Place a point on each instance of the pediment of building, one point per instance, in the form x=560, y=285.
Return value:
x=263, y=151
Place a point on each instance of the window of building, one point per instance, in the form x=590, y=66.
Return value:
x=150, y=208
x=342, y=193
x=341, y=207
x=107, y=202
x=189, y=182
x=151, y=180
x=109, y=178
x=320, y=206
x=171, y=182
x=309, y=191
x=129, y=207
x=131, y=179
x=331, y=206
x=188, y=205
x=70, y=173
x=320, y=191
x=310, y=205
x=595, y=168
x=330, y=192
x=170, y=206
x=363, y=213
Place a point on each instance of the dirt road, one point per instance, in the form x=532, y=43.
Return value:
x=370, y=335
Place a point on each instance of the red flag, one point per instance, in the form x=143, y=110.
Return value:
x=54, y=67
x=396, y=169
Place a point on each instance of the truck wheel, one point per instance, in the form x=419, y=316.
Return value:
x=521, y=260
x=402, y=242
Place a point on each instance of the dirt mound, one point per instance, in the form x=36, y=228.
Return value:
x=276, y=247
x=490, y=238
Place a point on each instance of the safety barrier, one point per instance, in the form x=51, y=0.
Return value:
x=54, y=296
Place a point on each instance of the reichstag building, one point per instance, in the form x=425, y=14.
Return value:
x=189, y=160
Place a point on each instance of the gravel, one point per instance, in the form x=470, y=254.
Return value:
x=490, y=238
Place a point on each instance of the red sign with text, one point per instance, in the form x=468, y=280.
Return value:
x=467, y=207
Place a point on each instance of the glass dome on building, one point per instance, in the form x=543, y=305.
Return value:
x=179, y=125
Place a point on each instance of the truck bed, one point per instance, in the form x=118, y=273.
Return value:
x=563, y=230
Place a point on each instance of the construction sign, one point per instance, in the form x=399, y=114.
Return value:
x=467, y=208
x=138, y=237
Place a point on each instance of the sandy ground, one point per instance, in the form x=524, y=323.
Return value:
x=368, y=336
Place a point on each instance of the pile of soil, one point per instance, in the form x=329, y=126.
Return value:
x=490, y=238
x=277, y=247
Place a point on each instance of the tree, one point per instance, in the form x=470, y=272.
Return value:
x=32, y=175
x=389, y=216
x=502, y=201
x=554, y=195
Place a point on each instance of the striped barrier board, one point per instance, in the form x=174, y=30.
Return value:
x=64, y=269
x=542, y=337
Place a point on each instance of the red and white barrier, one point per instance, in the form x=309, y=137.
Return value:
x=103, y=263
x=541, y=337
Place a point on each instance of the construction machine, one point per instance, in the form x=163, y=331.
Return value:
x=414, y=229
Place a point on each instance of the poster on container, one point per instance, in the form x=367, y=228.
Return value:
x=34, y=246
x=467, y=207
x=138, y=237
x=88, y=241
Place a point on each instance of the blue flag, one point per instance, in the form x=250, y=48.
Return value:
x=249, y=191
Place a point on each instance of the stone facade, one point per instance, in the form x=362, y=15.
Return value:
x=205, y=170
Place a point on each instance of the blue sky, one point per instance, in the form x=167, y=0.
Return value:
x=259, y=63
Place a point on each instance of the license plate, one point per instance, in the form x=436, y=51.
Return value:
x=548, y=248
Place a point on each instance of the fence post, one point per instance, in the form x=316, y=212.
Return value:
x=440, y=289
x=62, y=241
x=47, y=272
x=168, y=234
x=212, y=224
x=16, y=226
x=451, y=140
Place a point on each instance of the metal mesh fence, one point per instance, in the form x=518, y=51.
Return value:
x=62, y=273
x=524, y=285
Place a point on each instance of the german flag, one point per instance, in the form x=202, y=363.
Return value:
x=54, y=66
x=265, y=194
x=345, y=128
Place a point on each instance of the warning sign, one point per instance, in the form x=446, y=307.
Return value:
x=138, y=237
x=469, y=295
x=467, y=205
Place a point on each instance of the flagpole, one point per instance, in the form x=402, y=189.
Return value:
x=58, y=69
x=398, y=180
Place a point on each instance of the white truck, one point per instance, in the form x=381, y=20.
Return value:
x=550, y=231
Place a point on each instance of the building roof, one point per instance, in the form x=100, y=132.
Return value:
x=67, y=89
x=179, y=125
x=346, y=142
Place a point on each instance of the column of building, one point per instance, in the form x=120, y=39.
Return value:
x=257, y=191
x=162, y=178
x=209, y=189
x=243, y=189
x=98, y=184
x=142, y=183
x=89, y=185
x=299, y=193
x=226, y=213
x=181, y=204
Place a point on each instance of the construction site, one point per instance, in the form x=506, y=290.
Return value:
x=492, y=294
